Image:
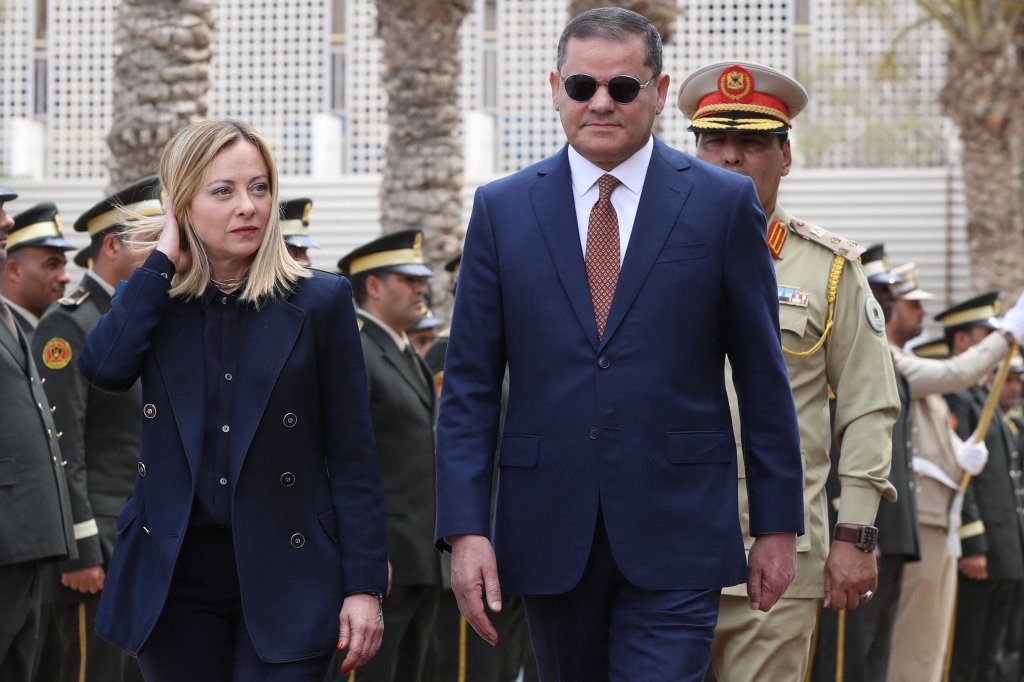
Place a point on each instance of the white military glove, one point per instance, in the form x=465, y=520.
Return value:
x=972, y=457
x=1013, y=320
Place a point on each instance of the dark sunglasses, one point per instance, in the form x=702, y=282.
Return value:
x=622, y=89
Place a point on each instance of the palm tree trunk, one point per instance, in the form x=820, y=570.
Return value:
x=423, y=171
x=161, y=78
x=976, y=97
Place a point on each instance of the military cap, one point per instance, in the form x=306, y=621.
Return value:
x=428, y=321
x=932, y=348
x=1016, y=362
x=144, y=197
x=7, y=194
x=400, y=252
x=453, y=264
x=981, y=310
x=83, y=257
x=910, y=289
x=876, y=266
x=741, y=97
x=38, y=226
x=295, y=223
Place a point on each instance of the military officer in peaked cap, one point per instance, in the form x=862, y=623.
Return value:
x=423, y=333
x=990, y=590
x=34, y=275
x=102, y=437
x=858, y=651
x=35, y=525
x=389, y=282
x=833, y=336
x=924, y=613
x=295, y=228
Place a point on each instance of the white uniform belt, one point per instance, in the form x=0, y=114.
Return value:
x=932, y=471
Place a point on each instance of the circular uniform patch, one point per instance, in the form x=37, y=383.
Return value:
x=57, y=353
x=873, y=312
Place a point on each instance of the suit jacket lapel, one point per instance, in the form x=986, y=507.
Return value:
x=178, y=348
x=555, y=210
x=665, y=191
x=270, y=335
x=396, y=359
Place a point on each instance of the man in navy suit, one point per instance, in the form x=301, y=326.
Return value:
x=614, y=279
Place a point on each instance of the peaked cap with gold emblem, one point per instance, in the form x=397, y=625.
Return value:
x=400, y=252
x=910, y=289
x=144, y=197
x=876, y=266
x=932, y=348
x=38, y=226
x=981, y=311
x=295, y=223
x=741, y=97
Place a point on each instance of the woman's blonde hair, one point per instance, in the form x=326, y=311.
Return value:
x=183, y=167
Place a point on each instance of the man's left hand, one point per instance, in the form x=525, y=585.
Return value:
x=86, y=580
x=849, y=574
x=770, y=569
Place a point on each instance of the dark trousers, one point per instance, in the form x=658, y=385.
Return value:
x=20, y=600
x=458, y=653
x=985, y=646
x=409, y=615
x=201, y=634
x=72, y=652
x=608, y=629
x=867, y=632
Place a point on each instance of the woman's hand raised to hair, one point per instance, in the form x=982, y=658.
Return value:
x=170, y=243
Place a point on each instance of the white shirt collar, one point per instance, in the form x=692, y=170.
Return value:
x=631, y=172
x=32, y=319
x=401, y=340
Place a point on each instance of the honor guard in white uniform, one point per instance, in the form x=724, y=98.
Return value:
x=833, y=336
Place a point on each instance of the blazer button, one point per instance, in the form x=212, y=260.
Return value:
x=149, y=410
x=593, y=433
x=298, y=541
x=287, y=479
x=603, y=362
x=142, y=469
x=290, y=420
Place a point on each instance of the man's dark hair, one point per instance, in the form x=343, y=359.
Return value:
x=96, y=243
x=782, y=137
x=951, y=332
x=359, y=283
x=616, y=25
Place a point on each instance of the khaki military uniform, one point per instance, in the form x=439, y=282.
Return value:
x=925, y=611
x=751, y=645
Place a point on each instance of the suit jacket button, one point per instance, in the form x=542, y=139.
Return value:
x=287, y=479
x=290, y=420
x=603, y=362
x=149, y=410
x=593, y=433
x=142, y=469
x=298, y=541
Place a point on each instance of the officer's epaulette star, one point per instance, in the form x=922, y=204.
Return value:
x=847, y=248
x=75, y=298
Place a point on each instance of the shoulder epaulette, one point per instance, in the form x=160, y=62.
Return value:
x=840, y=246
x=75, y=298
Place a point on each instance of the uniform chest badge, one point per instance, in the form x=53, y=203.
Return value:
x=793, y=296
x=57, y=353
x=438, y=382
x=777, y=234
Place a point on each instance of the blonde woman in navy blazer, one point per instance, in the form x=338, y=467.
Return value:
x=254, y=541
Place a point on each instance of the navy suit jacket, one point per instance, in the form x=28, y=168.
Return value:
x=301, y=462
x=635, y=424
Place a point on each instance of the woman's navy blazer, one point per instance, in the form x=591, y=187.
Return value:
x=306, y=505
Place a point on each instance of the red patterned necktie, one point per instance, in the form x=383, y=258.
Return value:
x=602, y=257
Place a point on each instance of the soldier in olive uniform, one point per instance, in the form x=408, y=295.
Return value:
x=102, y=437
x=925, y=611
x=990, y=595
x=35, y=524
x=388, y=282
x=295, y=228
x=864, y=639
x=458, y=655
x=832, y=334
x=34, y=275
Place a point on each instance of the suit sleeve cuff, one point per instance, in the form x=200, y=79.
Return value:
x=158, y=263
x=89, y=554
